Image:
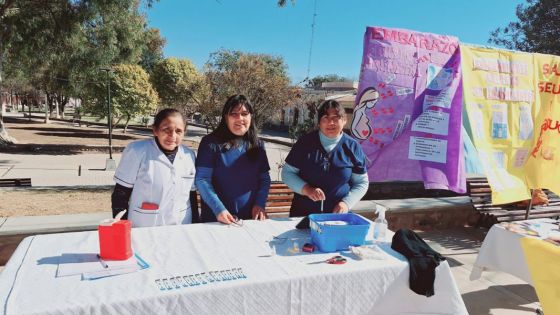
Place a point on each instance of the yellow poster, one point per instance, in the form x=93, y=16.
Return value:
x=543, y=164
x=499, y=99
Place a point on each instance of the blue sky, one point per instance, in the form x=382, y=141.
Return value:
x=195, y=28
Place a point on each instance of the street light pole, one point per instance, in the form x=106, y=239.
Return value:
x=110, y=163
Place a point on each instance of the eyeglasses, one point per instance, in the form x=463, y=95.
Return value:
x=333, y=118
x=239, y=114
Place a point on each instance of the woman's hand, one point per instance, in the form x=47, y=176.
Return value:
x=225, y=217
x=258, y=213
x=313, y=193
x=340, y=207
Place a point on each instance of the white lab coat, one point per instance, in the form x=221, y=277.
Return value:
x=154, y=179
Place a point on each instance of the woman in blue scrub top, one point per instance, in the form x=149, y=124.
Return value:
x=232, y=167
x=327, y=165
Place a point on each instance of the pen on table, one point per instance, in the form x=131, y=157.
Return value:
x=103, y=263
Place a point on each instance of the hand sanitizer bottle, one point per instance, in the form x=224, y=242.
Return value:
x=380, y=224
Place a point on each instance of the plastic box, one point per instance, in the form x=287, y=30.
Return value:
x=114, y=240
x=331, y=238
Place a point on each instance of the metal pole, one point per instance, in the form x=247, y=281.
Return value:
x=109, y=118
x=528, y=210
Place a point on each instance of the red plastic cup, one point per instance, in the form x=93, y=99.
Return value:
x=114, y=240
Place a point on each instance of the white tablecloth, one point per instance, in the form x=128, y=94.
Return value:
x=501, y=251
x=281, y=284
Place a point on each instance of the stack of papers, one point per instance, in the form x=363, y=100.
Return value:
x=91, y=267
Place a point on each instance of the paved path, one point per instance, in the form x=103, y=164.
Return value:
x=63, y=170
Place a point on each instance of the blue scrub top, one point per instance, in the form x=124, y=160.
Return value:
x=235, y=177
x=329, y=171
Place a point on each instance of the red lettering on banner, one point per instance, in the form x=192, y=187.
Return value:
x=390, y=35
x=435, y=45
x=412, y=40
x=547, y=69
x=424, y=43
x=403, y=38
x=545, y=126
x=440, y=44
x=549, y=87
x=377, y=34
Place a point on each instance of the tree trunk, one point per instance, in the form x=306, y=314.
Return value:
x=117, y=122
x=63, y=102
x=126, y=123
x=5, y=138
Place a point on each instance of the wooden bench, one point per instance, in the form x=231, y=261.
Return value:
x=278, y=202
x=481, y=195
x=15, y=182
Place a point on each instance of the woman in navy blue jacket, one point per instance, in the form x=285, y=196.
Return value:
x=326, y=167
x=232, y=167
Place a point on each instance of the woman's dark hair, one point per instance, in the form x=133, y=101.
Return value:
x=330, y=104
x=223, y=133
x=164, y=113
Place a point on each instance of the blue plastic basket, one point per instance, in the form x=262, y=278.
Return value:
x=330, y=238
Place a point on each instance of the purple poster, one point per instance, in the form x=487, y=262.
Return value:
x=407, y=114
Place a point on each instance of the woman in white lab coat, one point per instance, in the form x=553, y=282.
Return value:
x=155, y=176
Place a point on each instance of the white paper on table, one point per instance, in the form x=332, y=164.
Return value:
x=107, y=272
x=78, y=263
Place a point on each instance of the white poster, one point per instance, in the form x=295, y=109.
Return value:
x=525, y=122
x=432, y=121
x=427, y=149
x=520, y=157
x=443, y=100
x=499, y=121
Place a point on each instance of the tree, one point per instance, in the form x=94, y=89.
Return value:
x=7, y=9
x=152, y=53
x=262, y=78
x=132, y=95
x=536, y=30
x=179, y=84
x=317, y=81
x=60, y=45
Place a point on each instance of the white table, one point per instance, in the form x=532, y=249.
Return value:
x=501, y=251
x=280, y=284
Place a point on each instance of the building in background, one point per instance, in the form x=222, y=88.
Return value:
x=309, y=98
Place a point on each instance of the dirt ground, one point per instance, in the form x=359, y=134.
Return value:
x=34, y=131
x=51, y=202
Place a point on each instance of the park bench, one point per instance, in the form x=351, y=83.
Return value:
x=15, y=182
x=481, y=195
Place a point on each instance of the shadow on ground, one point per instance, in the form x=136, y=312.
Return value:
x=467, y=238
x=90, y=135
x=56, y=149
x=493, y=301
